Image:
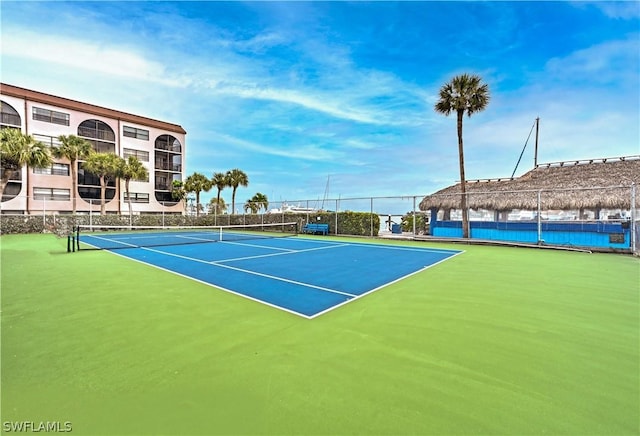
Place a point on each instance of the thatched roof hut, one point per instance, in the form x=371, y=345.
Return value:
x=573, y=185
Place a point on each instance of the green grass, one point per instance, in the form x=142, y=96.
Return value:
x=494, y=341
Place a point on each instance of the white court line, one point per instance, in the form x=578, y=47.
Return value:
x=213, y=285
x=334, y=291
x=278, y=254
x=331, y=244
x=384, y=285
x=255, y=245
x=282, y=279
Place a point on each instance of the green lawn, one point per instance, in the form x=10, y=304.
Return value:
x=494, y=341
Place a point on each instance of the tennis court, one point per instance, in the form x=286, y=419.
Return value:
x=303, y=276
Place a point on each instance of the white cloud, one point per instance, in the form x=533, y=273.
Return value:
x=627, y=9
x=605, y=62
x=302, y=152
x=86, y=55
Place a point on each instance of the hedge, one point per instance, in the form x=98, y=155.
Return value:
x=348, y=223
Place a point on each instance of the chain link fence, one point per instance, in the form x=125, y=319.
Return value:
x=606, y=217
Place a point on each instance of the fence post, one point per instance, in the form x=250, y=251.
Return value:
x=371, y=213
x=414, y=215
x=632, y=235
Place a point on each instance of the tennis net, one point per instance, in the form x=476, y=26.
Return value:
x=118, y=237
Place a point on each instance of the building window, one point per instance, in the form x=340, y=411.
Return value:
x=168, y=142
x=56, y=169
x=132, y=132
x=102, y=147
x=137, y=197
x=50, y=116
x=51, y=194
x=11, y=191
x=96, y=129
x=51, y=141
x=10, y=116
x=92, y=195
x=143, y=156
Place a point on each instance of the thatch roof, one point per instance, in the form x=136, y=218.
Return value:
x=586, y=184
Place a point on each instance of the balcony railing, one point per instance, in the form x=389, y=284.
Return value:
x=168, y=167
x=95, y=133
x=11, y=119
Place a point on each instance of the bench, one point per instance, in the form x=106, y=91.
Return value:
x=316, y=228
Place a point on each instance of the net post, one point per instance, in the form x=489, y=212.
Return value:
x=77, y=244
x=69, y=243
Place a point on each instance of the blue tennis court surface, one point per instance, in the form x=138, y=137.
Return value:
x=307, y=277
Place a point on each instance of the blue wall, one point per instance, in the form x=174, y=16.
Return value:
x=578, y=234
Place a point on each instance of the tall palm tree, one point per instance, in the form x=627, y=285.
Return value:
x=197, y=183
x=463, y=94
x=106, y=167
x=220, y=181
x=73, y=148
x=18, y=150
x=236, y=178
x=131, y=169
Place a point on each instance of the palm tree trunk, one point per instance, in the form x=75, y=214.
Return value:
x=463, y=182
x=6, y=174
x=74, y=184
x=233, y=201
x=197, y=204
x=126, y=188
x=103, y=195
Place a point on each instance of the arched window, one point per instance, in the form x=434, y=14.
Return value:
x=103, y=138
x=10, y=116
x=10, y=119
x=96, y=129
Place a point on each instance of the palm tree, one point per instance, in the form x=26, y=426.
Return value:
x=177, y=190
x=106, y=167
x=218, y=206
x=73, y=148
x=131, y=169
x=256, y=203
x=220, y=181
x=250, y=206
x=236, y=178
x=463, y=94
x=197, y=183
x=18, y=150
x=261, y=201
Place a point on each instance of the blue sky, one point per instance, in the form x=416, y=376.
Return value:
x=294, y=93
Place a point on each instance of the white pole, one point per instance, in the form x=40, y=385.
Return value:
x=632, y=234
x=414, y=215
x=371, y=212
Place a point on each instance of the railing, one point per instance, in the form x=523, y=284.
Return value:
x=11, y=119
x=96, y=134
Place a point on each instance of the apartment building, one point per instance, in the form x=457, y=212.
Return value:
x=159, y=145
